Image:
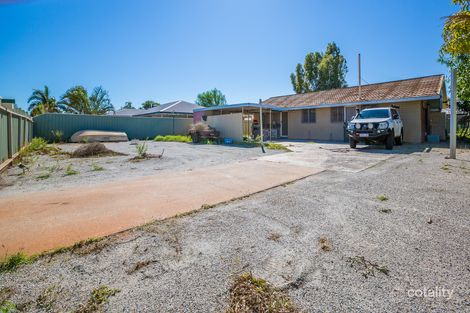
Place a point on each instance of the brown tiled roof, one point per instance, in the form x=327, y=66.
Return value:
x=394, y=90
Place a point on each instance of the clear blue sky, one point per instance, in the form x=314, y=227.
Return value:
x=170, y=50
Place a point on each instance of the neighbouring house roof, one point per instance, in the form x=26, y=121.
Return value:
x=126, y=112
x=421, y=88
x=174, y=107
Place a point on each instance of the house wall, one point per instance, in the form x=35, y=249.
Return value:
x=438, y=124
x=411, y=113
x=229, y=125
x=322, y=129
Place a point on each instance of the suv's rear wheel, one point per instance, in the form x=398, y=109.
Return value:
x=399, y=140
x=352, y=143
x=389, y=141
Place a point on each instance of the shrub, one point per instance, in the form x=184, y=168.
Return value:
x=173, y=138
x=276, y=146
x=199, y=127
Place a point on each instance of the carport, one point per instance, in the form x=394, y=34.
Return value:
x=246, y=120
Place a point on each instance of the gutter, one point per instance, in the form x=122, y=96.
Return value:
x=321, y=105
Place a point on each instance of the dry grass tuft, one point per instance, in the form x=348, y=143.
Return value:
x=253, y=295
x=274, y=236
x=325, y=244
x=139, y=265
x=94, y=149
x=367, y=267
x=98, y=297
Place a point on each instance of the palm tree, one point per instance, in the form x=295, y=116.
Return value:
x=41, y=102
x=100, y=102
x=76, y=100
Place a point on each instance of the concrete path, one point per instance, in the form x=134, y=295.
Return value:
x=45, y=220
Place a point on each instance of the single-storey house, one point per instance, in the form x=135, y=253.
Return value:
x=178, y=108
x=323, y=115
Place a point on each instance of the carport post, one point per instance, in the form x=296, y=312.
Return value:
x=270, y=124
x=453, y=115
x=261, y=123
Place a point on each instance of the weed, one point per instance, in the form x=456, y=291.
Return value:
x=274, y=236
x=382, y=198
x=173, y=138
x=325, y=244
x=98, y=297
x=206, y=206
x=250, y=294
x=36, y=146
x=43, y=176
x=57, y=135
x=141, y=149
x=368, y=268
x=446, y=167
x=96, y=167
x=5, y=294
x=276, y=146
x=69, y=171
x=8, y=307
x=14, y=261
x=47, y=298
x=385, y=211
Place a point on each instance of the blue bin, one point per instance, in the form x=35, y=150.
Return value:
x=228, y=141
x=433, y=139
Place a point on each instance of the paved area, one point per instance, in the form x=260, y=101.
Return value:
x=418, y=230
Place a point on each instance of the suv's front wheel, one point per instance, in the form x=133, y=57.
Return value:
x=389, y=141
x=352, y=143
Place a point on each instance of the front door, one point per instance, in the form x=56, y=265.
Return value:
x=284, y=125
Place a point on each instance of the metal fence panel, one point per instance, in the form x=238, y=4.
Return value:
x=15, y=132
x=3, y=136
x=134, y=127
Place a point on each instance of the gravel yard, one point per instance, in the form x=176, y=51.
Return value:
x=48, y=172
x=408, y=216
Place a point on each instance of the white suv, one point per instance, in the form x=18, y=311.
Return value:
x=377, y=125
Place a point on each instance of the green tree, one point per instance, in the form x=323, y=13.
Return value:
x=41, y=102
x=210, y=98
x=128, y=105
x=456, y=32
x=149, y=104
x=76, y=100
x=320, y=71
x=454, y=53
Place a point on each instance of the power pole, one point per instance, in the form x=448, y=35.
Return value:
x=453, y=114
x=359, y=74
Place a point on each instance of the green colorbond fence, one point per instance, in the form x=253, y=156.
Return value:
x=134, y=127
x=15, y=132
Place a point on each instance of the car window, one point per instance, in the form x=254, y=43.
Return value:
x=395, y=114
x=378, y=113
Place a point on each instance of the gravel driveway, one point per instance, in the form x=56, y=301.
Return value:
x=408, y=214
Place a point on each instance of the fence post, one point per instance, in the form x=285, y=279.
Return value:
x=10, y=134
x=20, y=144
